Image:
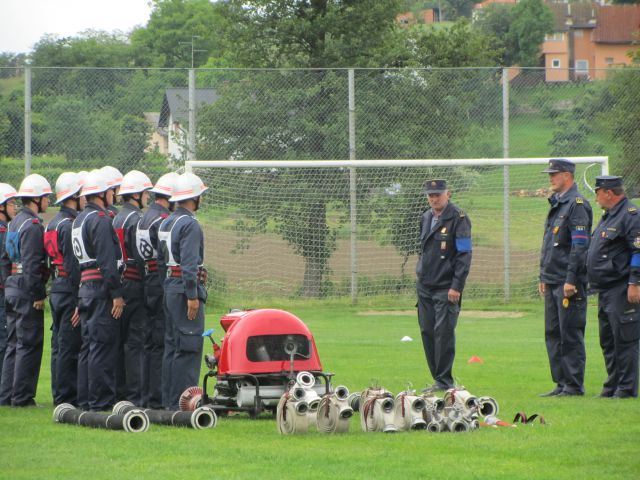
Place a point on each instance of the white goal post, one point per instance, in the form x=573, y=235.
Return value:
x=347, y=227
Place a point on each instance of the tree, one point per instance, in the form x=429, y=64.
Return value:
x=166, y=39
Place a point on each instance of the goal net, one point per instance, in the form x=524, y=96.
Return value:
x=351, y=228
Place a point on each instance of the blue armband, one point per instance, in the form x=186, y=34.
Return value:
x=635, y=260
x=463, y=244
x=579, y=237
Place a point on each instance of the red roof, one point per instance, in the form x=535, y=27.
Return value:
x=618, y=24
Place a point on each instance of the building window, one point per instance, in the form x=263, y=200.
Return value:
x=577, y=33
x=582, y=66
x=555, y=63
x=554, y=37
x=608, y=60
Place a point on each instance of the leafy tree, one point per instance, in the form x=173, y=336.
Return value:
x=166, y=39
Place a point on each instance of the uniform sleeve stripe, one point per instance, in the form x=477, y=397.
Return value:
x=463, y=244
x=635, y=260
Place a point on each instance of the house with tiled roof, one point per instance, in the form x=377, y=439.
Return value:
x=589, y=38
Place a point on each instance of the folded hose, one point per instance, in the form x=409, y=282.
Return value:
x=292, y=415
x=334, y=414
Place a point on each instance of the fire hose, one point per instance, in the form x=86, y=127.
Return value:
x=334, y=412
x=292, y=415
x=408, y=411
x=376, y=411
x=134, y=421
x=201, y=418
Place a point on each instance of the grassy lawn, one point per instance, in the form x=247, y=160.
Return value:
x=585, y=437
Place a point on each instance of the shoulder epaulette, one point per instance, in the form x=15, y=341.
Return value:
x=579, y=200
x=110, y=213
x=35, y=221
x=101, y=214
x=632, y=210
x=164, y=215
x=461, y=213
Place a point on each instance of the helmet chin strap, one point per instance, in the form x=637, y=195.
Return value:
x=197, y=200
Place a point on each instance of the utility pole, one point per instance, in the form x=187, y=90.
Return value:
x=193, y=49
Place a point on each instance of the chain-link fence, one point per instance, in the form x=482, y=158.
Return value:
x=58, y=119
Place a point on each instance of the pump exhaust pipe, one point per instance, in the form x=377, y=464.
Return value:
x=133, y=421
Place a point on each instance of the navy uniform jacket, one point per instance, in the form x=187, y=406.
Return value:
x=187, y=248
x=25, y=245
x=566, y=239
x=112, y=211
x=127, y=219
x=445, y=250
x=5, y=263
x=62, y=222
x=102, y=245
x=614, y=253
x=151, y=220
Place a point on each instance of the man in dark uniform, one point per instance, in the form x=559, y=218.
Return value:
x=65, y=271
x=100, y=301
x=182, y=254
x=442, y=269
x=563, y=279
x=613, y=270
x=8, y=210
x=24, y=295
x=133, y=191
x=147, y=246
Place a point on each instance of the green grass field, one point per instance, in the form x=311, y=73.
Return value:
x=585, y=437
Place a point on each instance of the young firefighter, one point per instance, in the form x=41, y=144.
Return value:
x=100, y=301
x=182, y=252
x=65, y=271
x=24, y=295
x=8, y=210
x=114, y=180
x=147, y=246
x=133, y=191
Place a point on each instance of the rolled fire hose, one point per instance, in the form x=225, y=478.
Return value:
x=376, y=414
x=200, y=419
x=463, y=397
x=190, y=399
x=488, y=406
x=333, y=415
x=134, y=421
x=292, y=415
x=408, y=412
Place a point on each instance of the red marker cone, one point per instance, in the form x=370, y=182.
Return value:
x=475, y=359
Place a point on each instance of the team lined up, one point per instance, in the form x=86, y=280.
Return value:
x=126, y=295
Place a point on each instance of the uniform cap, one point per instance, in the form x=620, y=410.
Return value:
x=608, y=182
x=557, y=165
x=134, y=182
x=6, y=192
x=34, y=185
x=435, y=186
x=67, y=185
x=188, y=185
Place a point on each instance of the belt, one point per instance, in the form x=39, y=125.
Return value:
x=59, y=271
x=16, y=268
x=91, y=274
x=131, y=273
x=151, y=266
x=175, y=271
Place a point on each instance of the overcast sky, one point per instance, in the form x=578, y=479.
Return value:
x=23, y=22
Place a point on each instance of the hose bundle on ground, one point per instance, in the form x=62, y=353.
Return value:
x=334, y=413
x=377, y=411
x=134, y=421
x=201, y=418
x=292, y=414
x=409, y=411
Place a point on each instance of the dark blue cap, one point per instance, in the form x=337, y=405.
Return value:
x=608, y=181
x=557, y=165
x=435, y=186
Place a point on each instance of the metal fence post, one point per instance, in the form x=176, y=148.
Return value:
x=27, y=120
x=191, y=141
x=352, y=189
x=505, y=174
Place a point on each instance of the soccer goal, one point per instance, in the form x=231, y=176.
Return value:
x=350, y=228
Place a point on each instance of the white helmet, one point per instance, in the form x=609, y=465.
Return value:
x=188, y=185
x=134, y=182
x=82, y=174
x=34, y=185
x=164, y=185
x=113, y=176
x=94, y=183
x=67, y=185
x=6, y=192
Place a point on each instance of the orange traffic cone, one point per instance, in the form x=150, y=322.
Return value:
x=475, y=359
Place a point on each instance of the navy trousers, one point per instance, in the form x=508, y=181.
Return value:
x=66, y=341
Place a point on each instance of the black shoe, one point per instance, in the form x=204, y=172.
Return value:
x=605, y=394
x=553, y=393
x=436, y=387
x=622, y=394
x=566, y=393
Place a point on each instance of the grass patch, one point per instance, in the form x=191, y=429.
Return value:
x=584, y=439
